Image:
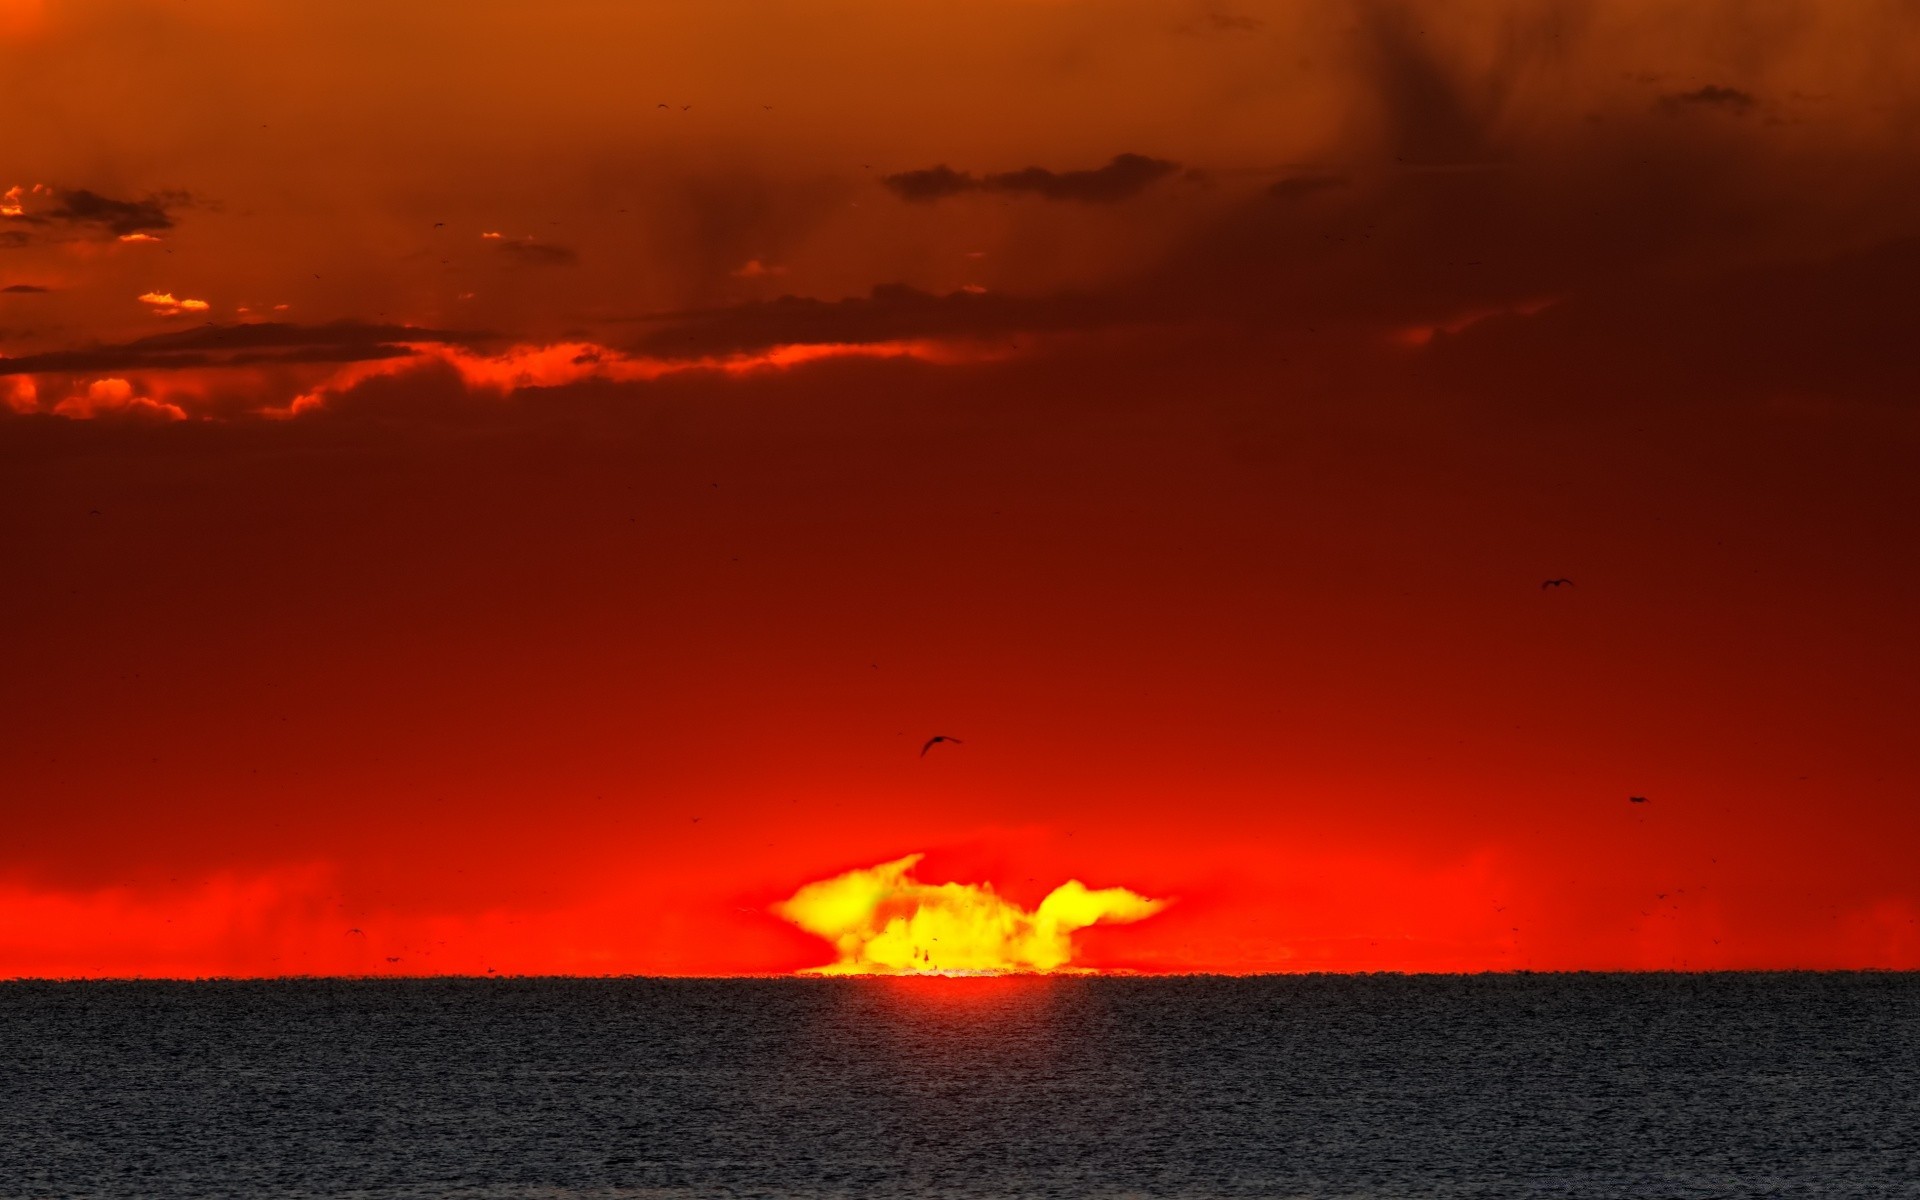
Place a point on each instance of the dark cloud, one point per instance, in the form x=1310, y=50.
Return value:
x=242, y=345
x=1812, y=329
x=537, y=253
x=1305, y=185
x=83, y=207
x=891, y=312
x=930, y=183
x=1126, y=176
x=1712, y=95
x=1434, y=113
x=23, y=289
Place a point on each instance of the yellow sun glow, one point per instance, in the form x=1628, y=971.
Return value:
x=882, y=921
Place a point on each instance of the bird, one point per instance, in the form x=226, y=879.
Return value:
x=935, y=740
x=439, y=224
x=356, y=931
x=391, y=958
x=1557, y=583
x=1636, y=799
x=663, y=106
x=685, y=107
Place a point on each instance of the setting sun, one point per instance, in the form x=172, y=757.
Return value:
x=883, y=921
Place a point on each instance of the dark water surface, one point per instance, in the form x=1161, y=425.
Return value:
x=1590, y=1085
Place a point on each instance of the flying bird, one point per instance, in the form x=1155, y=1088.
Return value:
x=685, y=107
x=935, y=740
x=1636, y=799
x=1557, y=583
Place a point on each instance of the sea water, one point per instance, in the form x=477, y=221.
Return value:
x=1372, y=1086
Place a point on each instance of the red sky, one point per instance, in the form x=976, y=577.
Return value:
x=1180, y=403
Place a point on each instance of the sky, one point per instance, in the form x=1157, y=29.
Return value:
x=514, y=488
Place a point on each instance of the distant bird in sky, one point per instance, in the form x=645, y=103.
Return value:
x=685, y=107
x=391, y=958
x=1557, y=583
x=1636, y=799
x=935, y=740
x=439, y=224
x=663, y=106
x=356, y=931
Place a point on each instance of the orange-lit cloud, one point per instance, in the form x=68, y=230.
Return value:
x=164, y=304
x=560, y=363
x=19, y=394
x=883, y=921
x=112, y=395
x=138, y=237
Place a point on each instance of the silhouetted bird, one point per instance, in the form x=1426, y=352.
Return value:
x=1557, y=583
x=935, y=740
x=391, y=958
x=356, y=931
x=439, y=224
x=1636, y=799
x=663, y=106
x=685, y=107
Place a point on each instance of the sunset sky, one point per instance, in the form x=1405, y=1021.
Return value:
x=509, y=486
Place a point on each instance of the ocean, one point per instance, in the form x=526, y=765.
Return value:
x=1667, y=1085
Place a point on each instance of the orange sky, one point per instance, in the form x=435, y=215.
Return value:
x=1181, y=403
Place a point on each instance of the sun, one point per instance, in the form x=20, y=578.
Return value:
x=883, y=921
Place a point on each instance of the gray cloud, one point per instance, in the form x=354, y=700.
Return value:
x=242, y=345
x=888, y=313
x=1126, y=176
x=532, y=252
x=1713, y=95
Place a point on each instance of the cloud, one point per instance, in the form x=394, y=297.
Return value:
x=889, y=313
x=23, y=289
x=242, y=345
x=83, y=209
x=1810, y=330
x=1296, y=186
x=164, y=304
x=1126, y=176
x=533, y=252
x=1713, y=95
x=115, y=397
